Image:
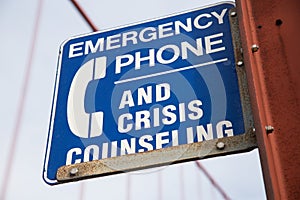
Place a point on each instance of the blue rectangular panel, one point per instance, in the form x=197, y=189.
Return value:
x=142, y=87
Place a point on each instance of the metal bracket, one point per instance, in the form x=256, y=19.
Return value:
x=240, y=69
x=235, y=33
x=155, y=158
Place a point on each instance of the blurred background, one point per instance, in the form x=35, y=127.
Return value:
x=30, y=35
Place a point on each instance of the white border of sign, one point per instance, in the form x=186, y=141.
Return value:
x=171, y=155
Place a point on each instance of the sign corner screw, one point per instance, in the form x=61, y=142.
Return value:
x=233, y=14
x=220, y=145
x=73, y=171
x=240, y=63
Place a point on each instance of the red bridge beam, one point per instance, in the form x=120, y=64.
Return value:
x=270, y=38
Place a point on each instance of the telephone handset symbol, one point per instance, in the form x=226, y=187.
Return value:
x=81, y=123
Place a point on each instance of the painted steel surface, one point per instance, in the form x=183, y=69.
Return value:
x=273, y=77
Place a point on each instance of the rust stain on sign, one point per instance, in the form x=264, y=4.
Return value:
x=155, y=158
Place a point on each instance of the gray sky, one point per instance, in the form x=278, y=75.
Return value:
x=239, y=175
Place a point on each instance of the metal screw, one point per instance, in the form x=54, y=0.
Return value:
x=254, y=48
x=269, y=129
x=73, y=171
x=240, y=63
x=233, y=14
x=220, y=145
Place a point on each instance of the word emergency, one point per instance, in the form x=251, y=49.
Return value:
x=148, y=34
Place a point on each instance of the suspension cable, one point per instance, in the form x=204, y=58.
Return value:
x=181, y=181
x=212, y=180
x=81, y=191
x=128, y=184
x=159, y=185
x=22, y=99
x=84, y=15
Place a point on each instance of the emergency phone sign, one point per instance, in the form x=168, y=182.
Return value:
x=143, y=87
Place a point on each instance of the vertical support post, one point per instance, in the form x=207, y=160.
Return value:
x=270, y=39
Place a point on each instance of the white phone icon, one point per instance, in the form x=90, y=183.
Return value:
x=81, y=123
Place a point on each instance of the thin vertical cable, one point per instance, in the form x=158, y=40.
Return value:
x=212, y=180
x=181, y=181
x=159, y=185
x=128, y=197
x=21, y=104
x=84, y=15
x=81, y=191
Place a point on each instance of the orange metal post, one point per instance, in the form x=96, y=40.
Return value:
x=270, y=33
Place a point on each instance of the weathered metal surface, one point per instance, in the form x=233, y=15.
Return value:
x=242, y=77
x=273, y=72
x=167, y=156
x=236, y=40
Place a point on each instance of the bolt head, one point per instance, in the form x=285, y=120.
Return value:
x=220, y=145
x=269, y=129
x=233, y=14
x=73, y=171
x=254, y=48
x=240, y=63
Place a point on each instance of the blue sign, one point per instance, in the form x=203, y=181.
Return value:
x=143, y=87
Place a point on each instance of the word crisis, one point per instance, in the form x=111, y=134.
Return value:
x=145, y=120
